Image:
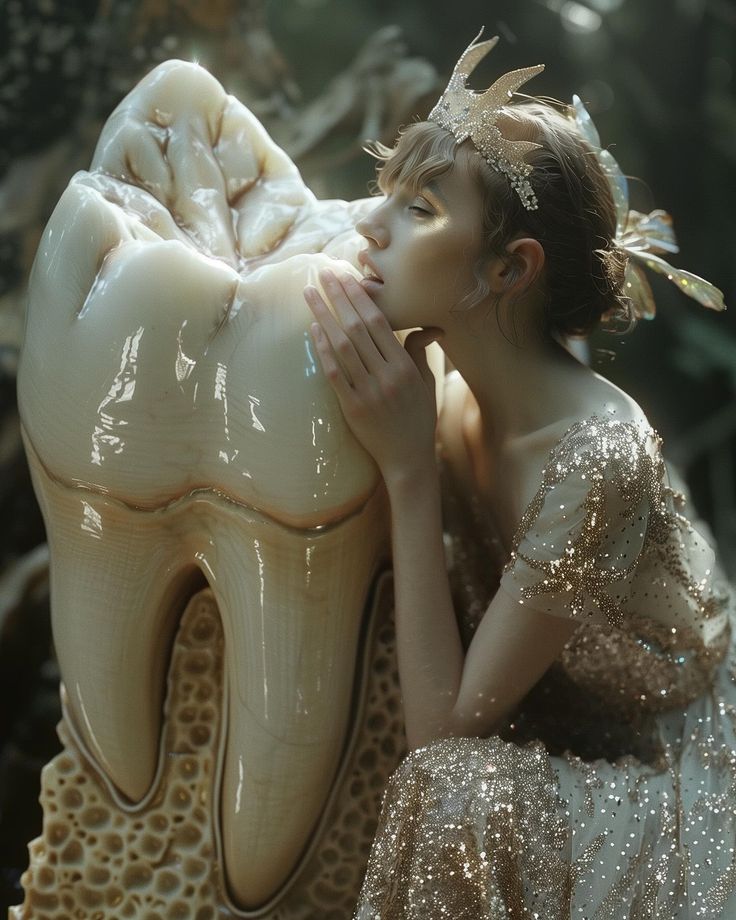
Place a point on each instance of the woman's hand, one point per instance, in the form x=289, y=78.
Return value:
x=386, y=390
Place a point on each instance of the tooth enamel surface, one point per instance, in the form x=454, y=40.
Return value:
x=178, y=429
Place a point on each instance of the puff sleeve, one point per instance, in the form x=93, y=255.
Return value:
x=580, y=539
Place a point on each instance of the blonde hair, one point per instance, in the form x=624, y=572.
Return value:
x=575, y=222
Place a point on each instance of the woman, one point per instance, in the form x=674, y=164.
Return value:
x=573, y=740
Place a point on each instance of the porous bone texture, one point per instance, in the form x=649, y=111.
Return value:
x=98, y=859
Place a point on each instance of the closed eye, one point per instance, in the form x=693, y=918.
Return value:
x=415, y=207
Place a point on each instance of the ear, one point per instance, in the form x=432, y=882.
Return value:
x=519, y=268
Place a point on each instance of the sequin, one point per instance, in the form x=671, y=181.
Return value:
x=611, y=792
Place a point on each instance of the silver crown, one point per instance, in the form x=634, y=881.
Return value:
x=467, y=114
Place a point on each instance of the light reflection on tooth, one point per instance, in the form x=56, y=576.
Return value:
x=92, y=521
x=254, y=401
x=311, y=368
x=184, y=364
x=240, y=786
x=251, y=480
x=261, y=611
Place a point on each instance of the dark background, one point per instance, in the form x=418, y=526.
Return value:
x=657, y=76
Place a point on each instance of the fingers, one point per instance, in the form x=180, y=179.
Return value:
x=356, y=344
x=333, y=344
x=354, y=328
x=331, y=368
x=355, y=311
x=375, y=323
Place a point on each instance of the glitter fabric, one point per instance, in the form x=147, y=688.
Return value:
x=611, y=793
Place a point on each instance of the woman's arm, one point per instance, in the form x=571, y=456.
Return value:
x=429, y=650
x=386, y=392
x=446, y=692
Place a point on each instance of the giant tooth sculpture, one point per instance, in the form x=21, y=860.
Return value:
x=180, y=432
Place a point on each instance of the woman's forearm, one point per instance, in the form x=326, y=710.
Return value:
x=430, y=652
x=387, y=396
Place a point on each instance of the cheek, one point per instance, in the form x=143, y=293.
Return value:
x=450, y=269
x=464, y=258
x=451, y=254
x=433, y=264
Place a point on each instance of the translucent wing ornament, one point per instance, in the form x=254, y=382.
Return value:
x=643, y=236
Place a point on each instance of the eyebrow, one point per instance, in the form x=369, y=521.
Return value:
x=435, y=189
x=431, y=186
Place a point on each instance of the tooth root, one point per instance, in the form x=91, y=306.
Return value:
x=292, y=606
x=291, y=603
x=114, y=606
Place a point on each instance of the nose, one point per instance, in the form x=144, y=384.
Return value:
x=373, y=228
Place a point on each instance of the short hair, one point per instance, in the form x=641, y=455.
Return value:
x=575, y=222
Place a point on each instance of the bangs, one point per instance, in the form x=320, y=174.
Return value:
x=422, y=152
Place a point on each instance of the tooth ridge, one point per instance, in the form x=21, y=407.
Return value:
x=198, y=493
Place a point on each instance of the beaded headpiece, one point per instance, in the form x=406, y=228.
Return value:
x=467, y=114
x=643, y=237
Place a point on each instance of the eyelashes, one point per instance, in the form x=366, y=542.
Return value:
x=421, y=210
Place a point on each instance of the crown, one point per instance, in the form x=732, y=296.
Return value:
x=467, y=114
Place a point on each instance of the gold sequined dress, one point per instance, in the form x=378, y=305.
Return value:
x=611, y=793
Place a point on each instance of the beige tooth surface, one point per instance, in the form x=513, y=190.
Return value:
x=98, y=859
x=292, y=605
x=179, y=430
x=152, y=369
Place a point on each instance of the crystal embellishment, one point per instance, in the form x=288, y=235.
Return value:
x=467, y=114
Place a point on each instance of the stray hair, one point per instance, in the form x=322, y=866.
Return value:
x=575, y=222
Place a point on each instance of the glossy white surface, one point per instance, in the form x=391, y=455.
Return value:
x=208, y=376
x=178, y=426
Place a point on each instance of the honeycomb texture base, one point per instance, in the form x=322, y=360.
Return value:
x=97, y=859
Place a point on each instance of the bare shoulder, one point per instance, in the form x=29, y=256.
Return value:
x=507, y=478
x=609, y=400
x=450, y=424
x=520, y=467
x=602, y=399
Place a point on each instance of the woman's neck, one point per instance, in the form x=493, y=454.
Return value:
x=519, y=388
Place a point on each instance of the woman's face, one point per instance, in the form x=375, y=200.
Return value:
x=423, y=247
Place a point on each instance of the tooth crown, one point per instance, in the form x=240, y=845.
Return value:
x=192, y=277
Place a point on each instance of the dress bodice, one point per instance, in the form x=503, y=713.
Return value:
x=609, y=792
x=608, y=541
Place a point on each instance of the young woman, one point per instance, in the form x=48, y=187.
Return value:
x=573, y=727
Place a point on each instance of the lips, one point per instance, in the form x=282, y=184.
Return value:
x=370, y=271
x=178, y=430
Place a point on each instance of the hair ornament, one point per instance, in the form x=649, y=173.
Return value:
x=467, y=114
x=643, y=237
